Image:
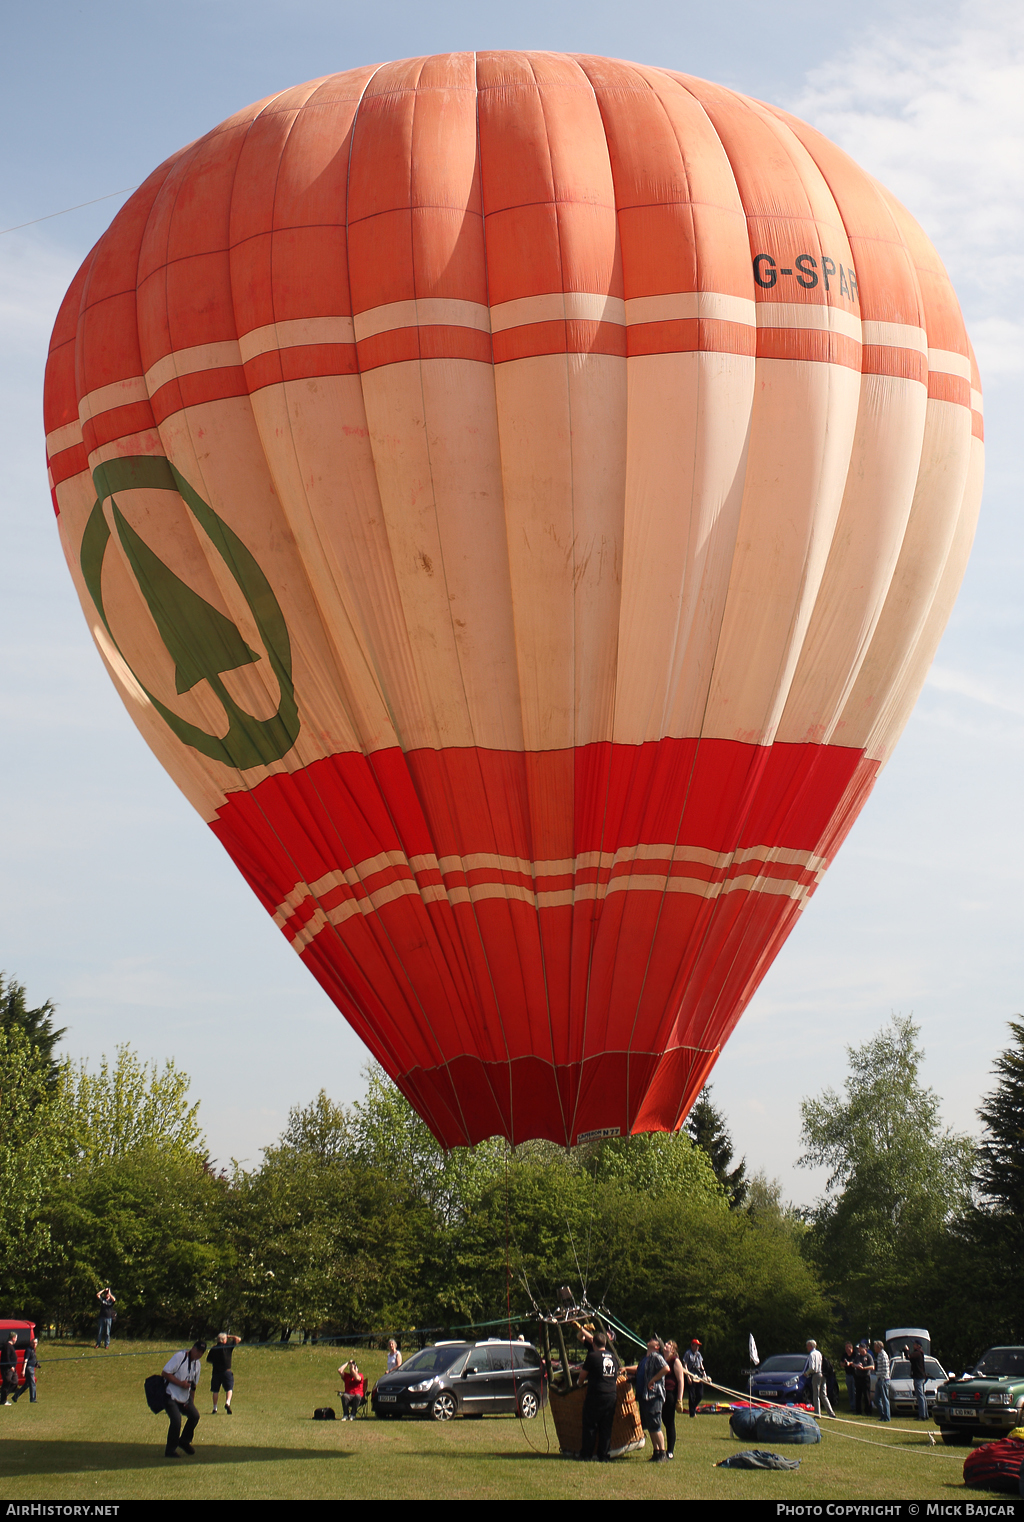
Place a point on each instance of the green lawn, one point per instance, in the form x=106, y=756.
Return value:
x=91, y=1437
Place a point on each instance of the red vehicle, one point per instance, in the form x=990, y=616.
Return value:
x=21, y=1334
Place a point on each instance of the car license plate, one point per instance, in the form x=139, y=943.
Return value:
x=768, y=1394
x=382, y=1398
x=962, y=1411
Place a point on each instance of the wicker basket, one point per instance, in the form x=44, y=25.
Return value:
x=567, y=1414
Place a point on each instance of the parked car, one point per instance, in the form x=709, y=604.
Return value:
x=781, y=1378
x=900, y=1339
x=21, y=1334
x=987, y=1401
x=464, y=1379
x=902, y=1399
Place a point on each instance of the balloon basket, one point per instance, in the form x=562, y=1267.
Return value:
x=567, y=1414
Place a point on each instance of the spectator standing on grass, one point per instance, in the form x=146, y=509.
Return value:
x=863, y=1368
x=696, y=1374
x=107, y=1302
x=675, y=1383
x=182, y=1373
x=29, y=1368
x=9, y=1370
x=919, y=1374
x=354, y=1393
x=222, y=1377
x=394, y=1357
x=849, y=1367
x=882, y=1382
x=649, y=1383
x=814, y=1368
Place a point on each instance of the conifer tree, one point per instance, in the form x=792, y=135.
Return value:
x=999, y=1170
x=707, y=1130
x=36, y=1025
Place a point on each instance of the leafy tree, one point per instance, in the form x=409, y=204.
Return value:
x=126, y=1108
x=129, y=1199
x=897, y=1180
x=320, y=1131
x=35, y=1024
x=684, y=1269
x=150, y=1224
x=707, y=1129
x=30, y=1154
x=387, y=1133
x=332, y=1229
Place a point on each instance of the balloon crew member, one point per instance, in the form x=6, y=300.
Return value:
x=649, y=1384
x=222, y=1377
x=675, y=1380
x=696, y=1374
x=814, y=1368
x=29, y=1367
x=599, y=1374
x=181, y=1373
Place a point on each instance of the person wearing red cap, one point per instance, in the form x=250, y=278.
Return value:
x=696, y=1374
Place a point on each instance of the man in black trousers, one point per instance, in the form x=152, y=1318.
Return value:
x=599, y=1374
x=181, y=1376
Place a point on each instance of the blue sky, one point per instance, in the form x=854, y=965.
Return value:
x=114, y=899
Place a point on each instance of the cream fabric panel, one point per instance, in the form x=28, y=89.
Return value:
x=802, y=432
x=931, y=526
x=433, y=435
x=316, y=442
x=561, y=422
x=869, y=533
x=904, y=694
x=689, y=417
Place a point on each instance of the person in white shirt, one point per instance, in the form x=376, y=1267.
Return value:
x=818, y=1391
x=181, y=1373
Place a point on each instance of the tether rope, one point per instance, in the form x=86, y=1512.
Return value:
x=51, y=214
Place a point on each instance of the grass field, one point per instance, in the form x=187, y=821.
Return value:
x=91, y=1437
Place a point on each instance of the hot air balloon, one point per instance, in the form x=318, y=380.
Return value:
x=518, y=497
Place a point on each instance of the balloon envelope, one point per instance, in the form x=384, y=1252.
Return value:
x=518, y=498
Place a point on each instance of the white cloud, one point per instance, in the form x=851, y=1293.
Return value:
x=966, y=684
x=934, y=107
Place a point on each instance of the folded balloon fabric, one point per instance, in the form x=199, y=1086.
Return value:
x=757, y=1458
x=775, y=1426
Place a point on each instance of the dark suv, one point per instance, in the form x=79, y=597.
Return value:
x=463, y=1378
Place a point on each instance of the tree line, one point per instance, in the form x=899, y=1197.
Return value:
x=356, y=1221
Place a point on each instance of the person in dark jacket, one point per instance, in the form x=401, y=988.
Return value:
x=28, y=1368
x=599, y=1375
x=9, y=1369
x=863, y=1368
x=919, y=1374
